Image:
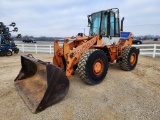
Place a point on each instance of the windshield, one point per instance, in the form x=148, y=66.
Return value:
x=95, y=23
x=105, y=23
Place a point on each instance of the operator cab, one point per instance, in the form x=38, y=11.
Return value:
x=105, y=23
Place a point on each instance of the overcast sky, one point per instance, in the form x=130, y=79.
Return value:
x=68, y=17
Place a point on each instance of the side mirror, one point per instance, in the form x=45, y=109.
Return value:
x=19, y=36
x=13, y=24
x=89, y=21
x=15, y=29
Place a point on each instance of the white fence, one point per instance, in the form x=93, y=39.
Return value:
x=145, y=49
x=35, y=48
x=149, y=49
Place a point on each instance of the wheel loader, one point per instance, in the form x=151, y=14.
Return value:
x=42, y=84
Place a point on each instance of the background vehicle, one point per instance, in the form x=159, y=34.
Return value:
x=29, y=40
x=5, y=50
x=41, y=84
x=7, y=45
x=137, y=41
x=155, y=39
x=81, y=34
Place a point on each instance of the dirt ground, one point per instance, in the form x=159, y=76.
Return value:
x=133, y=95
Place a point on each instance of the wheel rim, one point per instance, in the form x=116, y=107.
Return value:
x=98, y=67
x=9, y=53
x=133, y=59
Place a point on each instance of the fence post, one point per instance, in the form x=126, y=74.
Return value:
x=154, y=51
x=36, y=48
x=23, y=48
x=50, y=49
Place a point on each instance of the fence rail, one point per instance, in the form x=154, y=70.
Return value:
x=145, y=49
x=149, y=49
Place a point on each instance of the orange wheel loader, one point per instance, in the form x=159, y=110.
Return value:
x=41, y=84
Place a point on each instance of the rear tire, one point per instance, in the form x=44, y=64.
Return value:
x=8, y=53
x=129, y=58
x=93, y=66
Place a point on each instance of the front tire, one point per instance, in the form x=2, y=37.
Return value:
x=129, y=58
x=93, y=66
x=2, y=53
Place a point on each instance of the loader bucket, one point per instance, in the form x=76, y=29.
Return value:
x=40, y=84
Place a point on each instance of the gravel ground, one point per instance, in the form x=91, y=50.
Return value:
x=122, y=95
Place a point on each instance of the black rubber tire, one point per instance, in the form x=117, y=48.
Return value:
x=2, y=53
x=16, y=50
x=126, y=56
x=85, y=66
x=8, y=53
